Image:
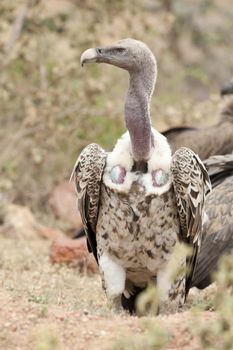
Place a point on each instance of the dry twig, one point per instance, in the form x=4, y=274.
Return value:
x=16, y=29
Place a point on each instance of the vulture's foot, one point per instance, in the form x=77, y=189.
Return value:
x=116, y=304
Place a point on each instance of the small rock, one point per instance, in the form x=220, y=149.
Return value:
x=7, y=324
x=103, y=333
x=63, y=202
x=14, y=328
x=73, y=252
x=18, y=222
x=50, y=233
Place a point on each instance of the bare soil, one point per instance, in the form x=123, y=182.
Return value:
x=44, y=306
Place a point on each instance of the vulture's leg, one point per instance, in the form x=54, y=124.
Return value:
x=128, y=300
x=171, y=286
x=174, y=299
x=113, y=280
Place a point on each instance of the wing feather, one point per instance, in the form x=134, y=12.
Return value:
x=219, y=167
x=213, y=247
x=190, y=182
x=88, y=172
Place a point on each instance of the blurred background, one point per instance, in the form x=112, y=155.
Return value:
x=50, y=108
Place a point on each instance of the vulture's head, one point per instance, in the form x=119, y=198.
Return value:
x=129, y=54
x=135, y=57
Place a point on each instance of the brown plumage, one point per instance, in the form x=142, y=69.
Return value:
x=137, y=202
x=211, y=140
x=91, y=163
x=218, y=229
x=122, y=228
x=217, y=234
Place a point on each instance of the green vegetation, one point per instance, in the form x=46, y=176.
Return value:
x=219, y=333
x=150, y=337
x=47, y=340
x=51, y=108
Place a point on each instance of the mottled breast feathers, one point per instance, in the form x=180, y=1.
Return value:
x=190, y=182
x=88, y=177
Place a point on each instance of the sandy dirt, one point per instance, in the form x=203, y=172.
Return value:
x=44, y=306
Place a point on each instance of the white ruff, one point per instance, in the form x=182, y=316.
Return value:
x=121, y=155
x=114, y=275
x=160, y=158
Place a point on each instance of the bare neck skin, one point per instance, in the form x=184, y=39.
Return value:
x=137, y=112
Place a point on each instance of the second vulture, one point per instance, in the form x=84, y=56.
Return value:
x=218, y=228
x=210, y=140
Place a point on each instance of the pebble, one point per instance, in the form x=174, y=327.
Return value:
x=103, y=333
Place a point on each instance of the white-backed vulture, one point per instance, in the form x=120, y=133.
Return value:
x=138, y=201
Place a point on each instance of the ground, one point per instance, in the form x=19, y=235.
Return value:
x=45, y=307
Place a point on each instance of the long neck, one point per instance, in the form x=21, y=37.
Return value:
x=137, y=112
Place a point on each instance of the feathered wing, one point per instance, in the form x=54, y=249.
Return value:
x=190, y=181
x=214, y=246
x=88, y=172
x=219, y=168
x=218, y=229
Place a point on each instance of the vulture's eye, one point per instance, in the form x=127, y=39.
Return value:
x=118, y=50
x=121, y=49
x=99, y=51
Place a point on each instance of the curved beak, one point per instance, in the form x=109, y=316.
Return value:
x=88, y=56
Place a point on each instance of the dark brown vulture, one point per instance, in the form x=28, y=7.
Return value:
x=208, y=141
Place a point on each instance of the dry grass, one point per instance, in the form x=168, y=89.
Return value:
x=56, y=286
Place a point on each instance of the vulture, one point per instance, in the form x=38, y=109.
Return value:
x=217, y=237
x=138, y=201
x=208, y=141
